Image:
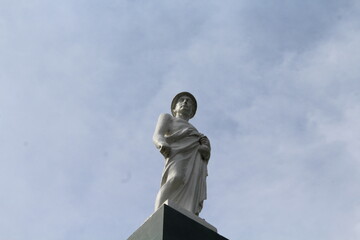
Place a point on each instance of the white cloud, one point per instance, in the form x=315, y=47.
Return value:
x=83, y=83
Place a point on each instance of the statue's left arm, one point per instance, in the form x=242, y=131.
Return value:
x=205, y=148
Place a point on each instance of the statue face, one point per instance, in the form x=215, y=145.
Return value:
x=184, y=106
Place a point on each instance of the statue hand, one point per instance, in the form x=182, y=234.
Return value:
x=204, y=152
x=165, y=150
x=204, y=141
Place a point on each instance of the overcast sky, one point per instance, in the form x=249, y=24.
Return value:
x=82, y=84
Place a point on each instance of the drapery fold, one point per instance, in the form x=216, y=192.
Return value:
x=185, y=163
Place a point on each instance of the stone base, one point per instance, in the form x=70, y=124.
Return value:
x=190, y=215
x=168, y=223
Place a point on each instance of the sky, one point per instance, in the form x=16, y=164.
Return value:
x=82, y=84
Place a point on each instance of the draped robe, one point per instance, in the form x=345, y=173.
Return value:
x=184, y=163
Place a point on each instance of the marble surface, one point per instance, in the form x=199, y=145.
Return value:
x=186, y=152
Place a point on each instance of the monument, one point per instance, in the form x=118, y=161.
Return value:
x=183, y=184
x=186, y=153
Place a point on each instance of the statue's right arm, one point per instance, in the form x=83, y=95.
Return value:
x=162, y=127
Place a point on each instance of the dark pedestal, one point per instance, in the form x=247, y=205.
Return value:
x=169, y=224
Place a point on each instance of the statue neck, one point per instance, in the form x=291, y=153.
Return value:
x=182, y=116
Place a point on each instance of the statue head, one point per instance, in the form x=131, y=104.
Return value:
x=187, y=99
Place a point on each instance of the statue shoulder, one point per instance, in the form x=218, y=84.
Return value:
x=165, y=118
x=165, y=115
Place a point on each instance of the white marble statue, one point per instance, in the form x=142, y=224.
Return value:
x=186, y=153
